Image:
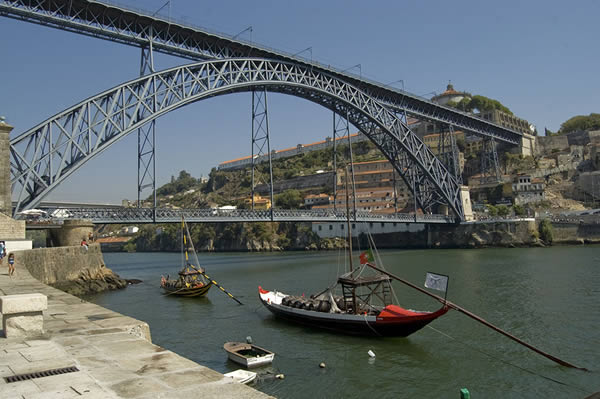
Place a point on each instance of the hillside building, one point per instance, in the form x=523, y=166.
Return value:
x=260, y=203
x=450, y=95
x=527, y=190
x=312, y=200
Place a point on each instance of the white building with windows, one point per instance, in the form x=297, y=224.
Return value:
x=527, y=190
x=340, y=229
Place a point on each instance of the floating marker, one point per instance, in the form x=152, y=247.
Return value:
x=371, y=353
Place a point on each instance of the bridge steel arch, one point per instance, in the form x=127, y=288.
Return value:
x=44, y=156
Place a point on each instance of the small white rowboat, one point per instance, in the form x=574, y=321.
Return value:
x=248, y=355
x=241, y=376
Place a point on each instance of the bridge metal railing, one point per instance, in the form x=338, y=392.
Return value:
x=168, y=215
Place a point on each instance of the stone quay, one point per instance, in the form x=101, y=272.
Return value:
x=80, y=349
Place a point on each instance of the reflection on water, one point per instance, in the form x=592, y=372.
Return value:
x=546, y=296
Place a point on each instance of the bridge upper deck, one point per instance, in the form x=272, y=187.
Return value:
x=127, y=26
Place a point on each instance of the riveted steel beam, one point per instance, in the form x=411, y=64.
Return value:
x=119, y=24
x=47, y=154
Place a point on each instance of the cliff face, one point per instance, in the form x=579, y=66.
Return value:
x=478, y=235
x=72, y=269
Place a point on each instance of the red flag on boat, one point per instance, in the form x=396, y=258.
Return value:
x=366, y=257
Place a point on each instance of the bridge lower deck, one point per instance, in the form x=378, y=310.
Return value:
x=149, y=215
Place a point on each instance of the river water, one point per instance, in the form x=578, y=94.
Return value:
x=549, y=297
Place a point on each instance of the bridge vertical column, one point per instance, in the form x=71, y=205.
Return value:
x=260, y=139
x=147, y=135
x=490, y=168
x=5, y=185
x=341, y=125
x=448, y=151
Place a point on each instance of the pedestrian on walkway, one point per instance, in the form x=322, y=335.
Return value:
x=2, y=251
x=11, y=264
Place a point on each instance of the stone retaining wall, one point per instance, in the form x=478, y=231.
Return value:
x=11, y=229
x=575, y=233
x=475, y=235
x=51, y=265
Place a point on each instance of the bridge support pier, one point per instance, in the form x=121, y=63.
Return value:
x=5, y=186
x=465, y=198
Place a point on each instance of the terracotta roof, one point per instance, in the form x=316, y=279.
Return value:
x=237, y=159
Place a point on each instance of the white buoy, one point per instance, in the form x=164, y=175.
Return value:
x=371, y=353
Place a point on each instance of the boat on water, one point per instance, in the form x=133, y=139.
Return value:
x=248, y=355
x=241, y=376
x=191, y=281
x=360, y=302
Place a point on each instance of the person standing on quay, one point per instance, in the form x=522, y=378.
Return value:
x=2, y=251
x=11, y=264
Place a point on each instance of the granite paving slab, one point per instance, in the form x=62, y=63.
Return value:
x=113, y=353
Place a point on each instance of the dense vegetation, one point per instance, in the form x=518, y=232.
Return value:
x=480, y=103
x=546, y=231
x=231, y=187
x=230, y=236
x=580, y=122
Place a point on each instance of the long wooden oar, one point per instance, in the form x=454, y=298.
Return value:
x=221, y=288
x=479, y=319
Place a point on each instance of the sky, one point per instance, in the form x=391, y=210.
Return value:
x=538, y=58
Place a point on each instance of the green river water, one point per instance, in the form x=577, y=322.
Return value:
x=549, y=297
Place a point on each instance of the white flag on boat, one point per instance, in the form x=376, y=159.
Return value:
x=436, y=281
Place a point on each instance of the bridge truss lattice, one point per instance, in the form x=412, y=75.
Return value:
x=45, y=155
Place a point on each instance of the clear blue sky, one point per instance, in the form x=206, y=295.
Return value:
x=539, y=58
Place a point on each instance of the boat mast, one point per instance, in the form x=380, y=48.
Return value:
x=183, y=246
x=354, y=307
x=348, y=224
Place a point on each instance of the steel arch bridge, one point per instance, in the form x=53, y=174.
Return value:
x=42, y=157
x=137, y=28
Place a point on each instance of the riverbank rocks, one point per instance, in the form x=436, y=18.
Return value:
x=88, y=283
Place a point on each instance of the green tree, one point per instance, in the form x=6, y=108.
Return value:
x=546, y=231
x=503, y=210
x=480, y=103
x=580, y=122
x=519, y=210
x=183, y=182
x=492, y=210
x=129, y=247
x=289, y=199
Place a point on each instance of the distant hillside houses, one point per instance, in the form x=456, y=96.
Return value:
x=290, y=152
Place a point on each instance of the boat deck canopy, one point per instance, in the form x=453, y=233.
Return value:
x=361, y=281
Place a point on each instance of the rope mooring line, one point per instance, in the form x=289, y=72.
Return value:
x=509, y=363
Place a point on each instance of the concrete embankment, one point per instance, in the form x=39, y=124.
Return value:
x=113, y=353
x=576, y=233
x=500, y=233
x=505, y=233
